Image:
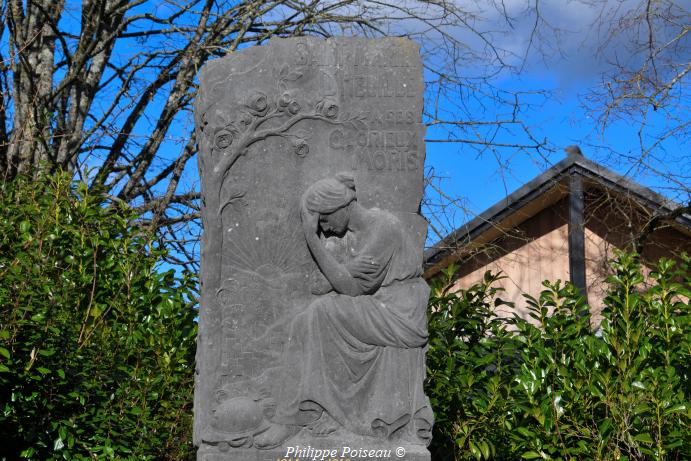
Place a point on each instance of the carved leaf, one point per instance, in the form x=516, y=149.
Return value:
x=292, y=76
x=235, y=197
x=245, y=120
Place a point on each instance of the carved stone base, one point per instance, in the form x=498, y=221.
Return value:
x=304, y=447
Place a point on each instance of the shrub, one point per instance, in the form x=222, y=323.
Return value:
x=555, y=389
x=96, y=340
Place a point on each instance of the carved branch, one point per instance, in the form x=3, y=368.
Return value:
x=223, y=167
x=262, y=135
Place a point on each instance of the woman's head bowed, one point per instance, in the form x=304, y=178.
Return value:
x=330, y=194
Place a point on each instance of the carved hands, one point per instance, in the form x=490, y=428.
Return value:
x=365, y=266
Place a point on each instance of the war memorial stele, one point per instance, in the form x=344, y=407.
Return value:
x=312, y=325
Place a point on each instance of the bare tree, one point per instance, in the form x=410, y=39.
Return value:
x=645, y=47
x=103, y=88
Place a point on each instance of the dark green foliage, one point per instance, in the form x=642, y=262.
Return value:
x=555, y=389
x=96, y=341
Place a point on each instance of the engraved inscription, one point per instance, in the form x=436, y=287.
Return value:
x=391, y=160
x=377, y=86
x=353, y=57
x=341, y=139
x=379, y=119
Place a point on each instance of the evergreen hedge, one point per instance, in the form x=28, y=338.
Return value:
x=555, y=389
x=97, y=342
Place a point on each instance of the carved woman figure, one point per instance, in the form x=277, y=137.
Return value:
x=355, y=356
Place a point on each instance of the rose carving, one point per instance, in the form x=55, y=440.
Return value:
x=327, y=108
x=293, y=107
x=287, y=102
x=224, y=139
x=258, y=104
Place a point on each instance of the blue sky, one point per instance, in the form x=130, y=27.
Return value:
x=567, y=60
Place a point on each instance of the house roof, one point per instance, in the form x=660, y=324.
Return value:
x=536, y=195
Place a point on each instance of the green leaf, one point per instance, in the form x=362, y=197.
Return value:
x=531, y=455
x=38, y=317
x=485, y=449
x=525, y=432
x=58, y=444
x=679, y=407
x=644, y=438
x=46, y=352
x=475, y=451
x=642, y=408
x=4, y=352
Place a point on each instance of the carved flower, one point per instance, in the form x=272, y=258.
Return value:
x=288, y=102
x=224, y=139
x=285, y=99
x=301, y=148
x=328, y=108
x=258, y=104
x=293, y=107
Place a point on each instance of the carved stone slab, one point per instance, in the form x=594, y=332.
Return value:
x=282, y=130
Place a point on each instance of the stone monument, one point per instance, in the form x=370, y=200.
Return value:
x=312, y=328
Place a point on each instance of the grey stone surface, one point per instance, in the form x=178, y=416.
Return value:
x=305, y=447
x=312, y=328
